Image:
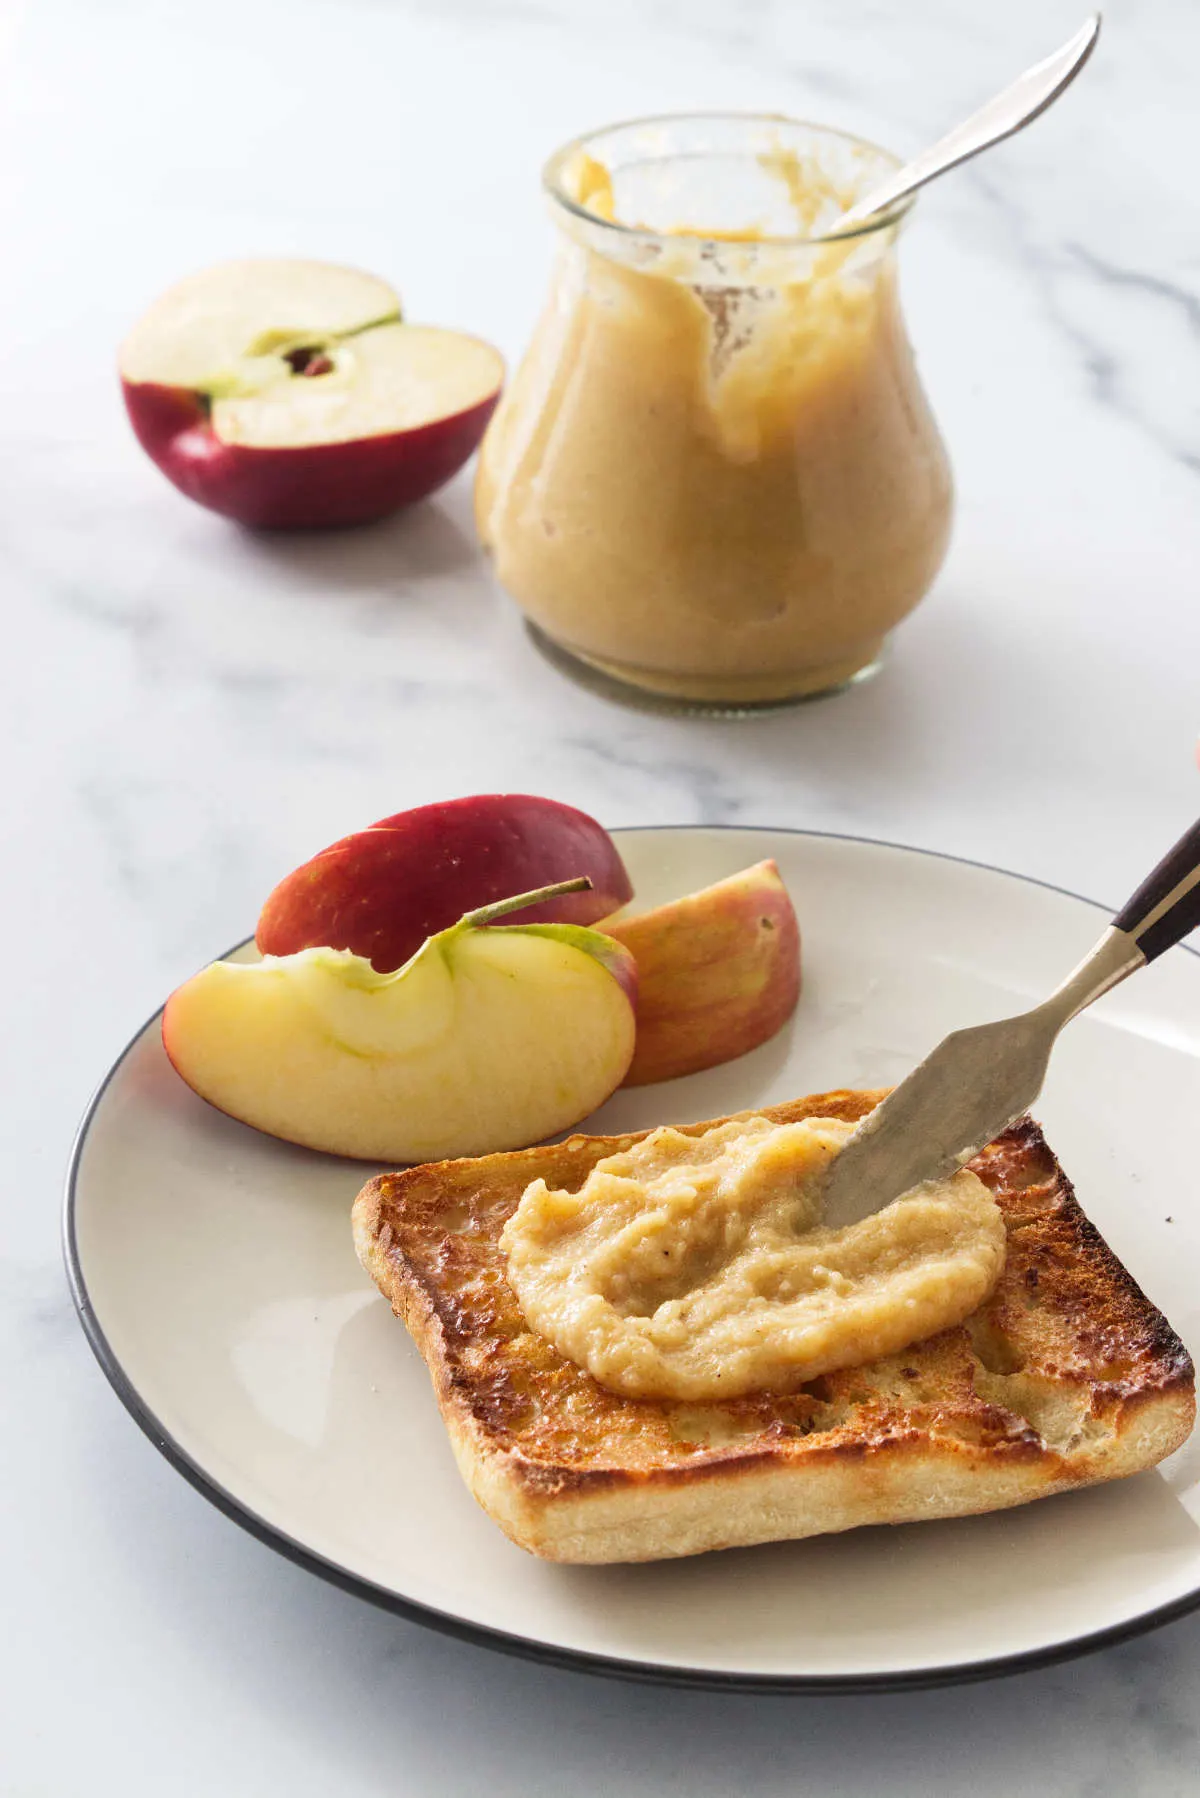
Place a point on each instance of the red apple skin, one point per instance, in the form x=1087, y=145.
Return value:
x=382, y=891
x=718, y=973
x=318, y=487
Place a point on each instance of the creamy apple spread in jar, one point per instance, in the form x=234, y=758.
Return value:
x=697, y=1266
x=715, y=475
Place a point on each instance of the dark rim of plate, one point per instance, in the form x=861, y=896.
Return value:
x=571, y=1659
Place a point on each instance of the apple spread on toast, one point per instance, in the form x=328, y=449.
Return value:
x=1061, y=1375
x=697, y=1267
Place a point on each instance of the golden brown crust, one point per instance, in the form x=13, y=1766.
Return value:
x=1066, y=1376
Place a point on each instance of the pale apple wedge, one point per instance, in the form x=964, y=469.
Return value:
x=718, y=973
x=487, y=1039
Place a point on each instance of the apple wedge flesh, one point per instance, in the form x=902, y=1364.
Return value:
x=382, y=891
x=718, y=973
x=488, y=1039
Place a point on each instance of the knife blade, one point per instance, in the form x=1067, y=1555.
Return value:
x=979, y=1080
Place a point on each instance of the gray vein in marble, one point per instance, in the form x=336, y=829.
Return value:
x=1105, y=367
x=33, y=1299
x=88, y=599
x=169, y=654
x=257, y=694
x=112, y=811
x=708, y=792
x=1138, y=280
x=1048, y=269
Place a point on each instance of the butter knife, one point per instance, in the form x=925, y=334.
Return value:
x=978, y=1081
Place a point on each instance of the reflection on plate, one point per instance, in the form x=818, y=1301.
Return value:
x=215, y=1276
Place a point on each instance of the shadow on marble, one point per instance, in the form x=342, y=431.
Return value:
x=423, y=543
x=906, y=730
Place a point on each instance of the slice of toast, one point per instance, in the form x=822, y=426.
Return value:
x=1066, y=1376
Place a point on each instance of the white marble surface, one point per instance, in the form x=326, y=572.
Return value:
x=187, y=712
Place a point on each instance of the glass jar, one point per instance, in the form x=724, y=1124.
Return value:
x=715, y=476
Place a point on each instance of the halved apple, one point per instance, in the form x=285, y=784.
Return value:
x=718, y=973
x=289, y=394
x=487, y=1039
x=382, y=891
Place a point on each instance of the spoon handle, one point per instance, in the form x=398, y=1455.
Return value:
x=1167, y=904
x=1029, y=95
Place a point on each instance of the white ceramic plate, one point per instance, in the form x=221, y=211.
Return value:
x=215, y=1277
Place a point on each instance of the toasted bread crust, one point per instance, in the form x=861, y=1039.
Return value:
x=1068, y=1375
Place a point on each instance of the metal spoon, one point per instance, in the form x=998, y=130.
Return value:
x=1029, y=95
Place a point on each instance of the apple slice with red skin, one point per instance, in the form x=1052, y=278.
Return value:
x=718, y=973
x=289, y=395
x=488, y=1039
x=382, y=891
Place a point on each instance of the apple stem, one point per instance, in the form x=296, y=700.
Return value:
x=500, y=908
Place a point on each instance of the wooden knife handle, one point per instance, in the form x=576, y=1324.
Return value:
x=1167, y=904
